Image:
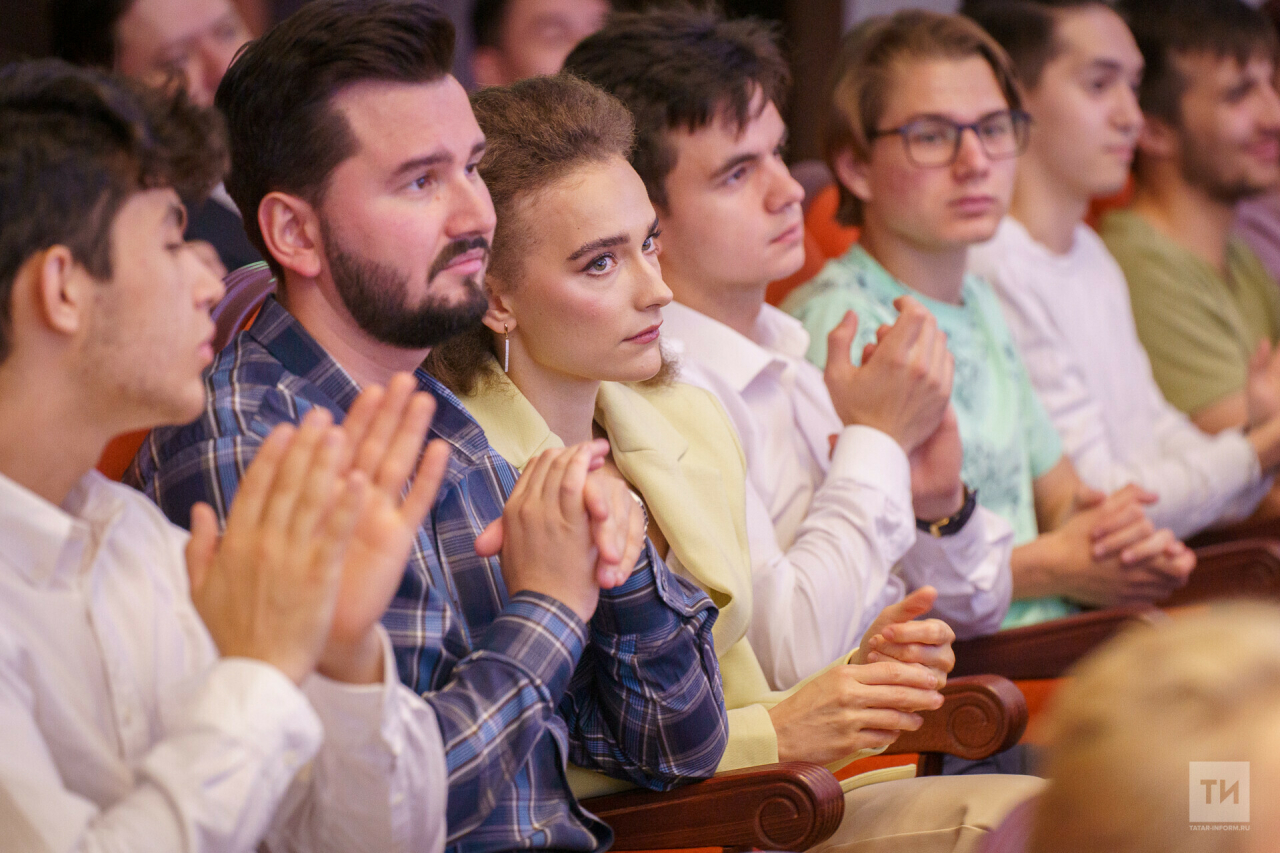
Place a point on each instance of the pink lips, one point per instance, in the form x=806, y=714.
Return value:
x=791, y=235
x=974, y=205
x=468, y=263
x=648, y=336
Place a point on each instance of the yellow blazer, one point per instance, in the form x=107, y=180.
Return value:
x=679, y=450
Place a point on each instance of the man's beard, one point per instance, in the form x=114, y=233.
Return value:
x=376, y=296
x=1201, y=167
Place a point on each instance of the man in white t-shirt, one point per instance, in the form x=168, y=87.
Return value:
x=160, y=691
x=1065, y=297
x=858, y=472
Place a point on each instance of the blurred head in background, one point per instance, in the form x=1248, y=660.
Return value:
x=515, y=39
x=152, y=40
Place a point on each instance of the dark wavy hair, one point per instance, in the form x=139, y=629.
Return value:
x=1027, y=30
x=277, y=95
x=681, y=68
x=75, y=144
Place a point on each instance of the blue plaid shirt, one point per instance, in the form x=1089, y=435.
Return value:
x=518, y=682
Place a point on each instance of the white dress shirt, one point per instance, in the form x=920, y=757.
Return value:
x=1071, y=318
x=122, y=729
x=832, y=533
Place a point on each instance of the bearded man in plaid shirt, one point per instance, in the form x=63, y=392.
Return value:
x=354, y=161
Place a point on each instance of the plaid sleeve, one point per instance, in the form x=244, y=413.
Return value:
x=203, y=462
x=208, y=471
x=496, y=704
x=646, y=703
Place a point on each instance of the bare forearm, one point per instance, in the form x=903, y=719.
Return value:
x=1037, y=569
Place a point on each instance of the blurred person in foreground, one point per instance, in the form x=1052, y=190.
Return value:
x=160, y=691
x=354, y=156
x=1124, y=732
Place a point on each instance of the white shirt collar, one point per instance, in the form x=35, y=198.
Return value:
x=736, y=357
x=45, y=542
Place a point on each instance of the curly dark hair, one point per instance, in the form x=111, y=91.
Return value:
x=75, y=144
x=678, y=68
x=278, y=93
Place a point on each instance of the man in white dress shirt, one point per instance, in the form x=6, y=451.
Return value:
x=1064, y=295
x=853, y=468
x=160, y=691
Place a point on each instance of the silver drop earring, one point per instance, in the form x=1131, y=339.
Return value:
x=506, y=348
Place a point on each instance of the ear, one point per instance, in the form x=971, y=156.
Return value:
x=64, y=290
x=499, y=318
x=1157, y=139
x=291, y=230
x=486, y=67
x=852, y=173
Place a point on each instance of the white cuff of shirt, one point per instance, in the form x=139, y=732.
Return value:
x=867, y=455
x=351, y=712
x=257, y=704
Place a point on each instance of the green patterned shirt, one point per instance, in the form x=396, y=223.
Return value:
x=1008, y=438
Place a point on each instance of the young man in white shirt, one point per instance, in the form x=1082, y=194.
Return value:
x=1064, y=295
x=142, y=709
x=844, y=464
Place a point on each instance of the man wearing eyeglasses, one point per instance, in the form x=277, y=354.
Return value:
x=923, y=133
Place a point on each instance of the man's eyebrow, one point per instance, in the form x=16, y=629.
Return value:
x=602, y=243
x=168, y=49
x=1104, y=64
x=734, y=162
x=437, y=158
x=428, y=161
x=939, y=116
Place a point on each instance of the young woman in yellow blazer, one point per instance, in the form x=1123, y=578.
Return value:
x=570, y=351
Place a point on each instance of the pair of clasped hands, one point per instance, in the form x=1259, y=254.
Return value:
x=1099, y=549
x=318, y=535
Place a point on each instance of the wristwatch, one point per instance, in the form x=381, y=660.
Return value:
x=951, y=525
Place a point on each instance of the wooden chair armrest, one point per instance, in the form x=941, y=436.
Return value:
x=788, y=806
x=980, y=716
x=1244, y=568
x=1047, y=649
x=1264, y=528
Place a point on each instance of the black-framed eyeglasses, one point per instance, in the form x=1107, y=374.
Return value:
x=935, y=140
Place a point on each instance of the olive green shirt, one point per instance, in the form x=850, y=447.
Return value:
x=1199, y=328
